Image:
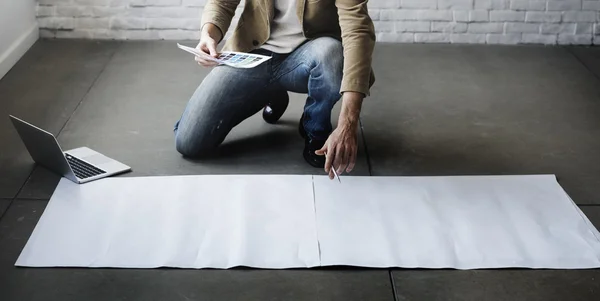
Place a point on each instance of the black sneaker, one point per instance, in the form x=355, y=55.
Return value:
x=301, y=129
x=310, y=146
x=278, y=103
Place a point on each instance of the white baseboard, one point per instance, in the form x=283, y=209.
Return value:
x=17, y=49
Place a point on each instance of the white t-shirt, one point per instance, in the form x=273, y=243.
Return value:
x=286, y=29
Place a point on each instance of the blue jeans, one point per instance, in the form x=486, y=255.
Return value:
x=227, y=96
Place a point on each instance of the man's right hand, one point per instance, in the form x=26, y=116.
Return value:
x=208, y=44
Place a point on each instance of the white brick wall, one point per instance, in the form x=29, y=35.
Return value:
x=402, y=21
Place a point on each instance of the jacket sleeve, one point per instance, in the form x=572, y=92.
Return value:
x=358, y=40
x=220, y=13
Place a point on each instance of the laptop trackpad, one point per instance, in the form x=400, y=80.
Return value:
x=97, y=159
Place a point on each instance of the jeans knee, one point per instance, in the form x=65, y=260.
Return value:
x=328, y=60
x=326, y=48
x=193, y=147
x=329, y=52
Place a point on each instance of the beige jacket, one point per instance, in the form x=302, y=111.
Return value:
x=346, y=20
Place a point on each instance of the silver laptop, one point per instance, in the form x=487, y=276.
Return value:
x=79, y=165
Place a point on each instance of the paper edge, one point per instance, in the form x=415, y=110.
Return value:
x=42, y=220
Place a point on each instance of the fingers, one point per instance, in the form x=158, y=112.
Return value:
x=211, y=46
x=340, y=154
x=329, y=157
x=207, y=47
x=322, y=151
x=205, y=63
x=351, y=160
x=345, y=159
x=338, y=160
x=329, y=160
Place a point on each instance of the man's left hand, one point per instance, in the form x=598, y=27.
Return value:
x=341, y=147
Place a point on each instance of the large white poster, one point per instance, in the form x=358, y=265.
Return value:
x=278, y=221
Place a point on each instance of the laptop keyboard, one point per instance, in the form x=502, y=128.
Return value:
x=82, y=169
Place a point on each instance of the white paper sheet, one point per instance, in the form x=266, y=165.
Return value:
x=278, y=221
x=185, y=221
x=452, y=222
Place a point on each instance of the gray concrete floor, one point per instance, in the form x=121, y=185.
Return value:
x=435, y=110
